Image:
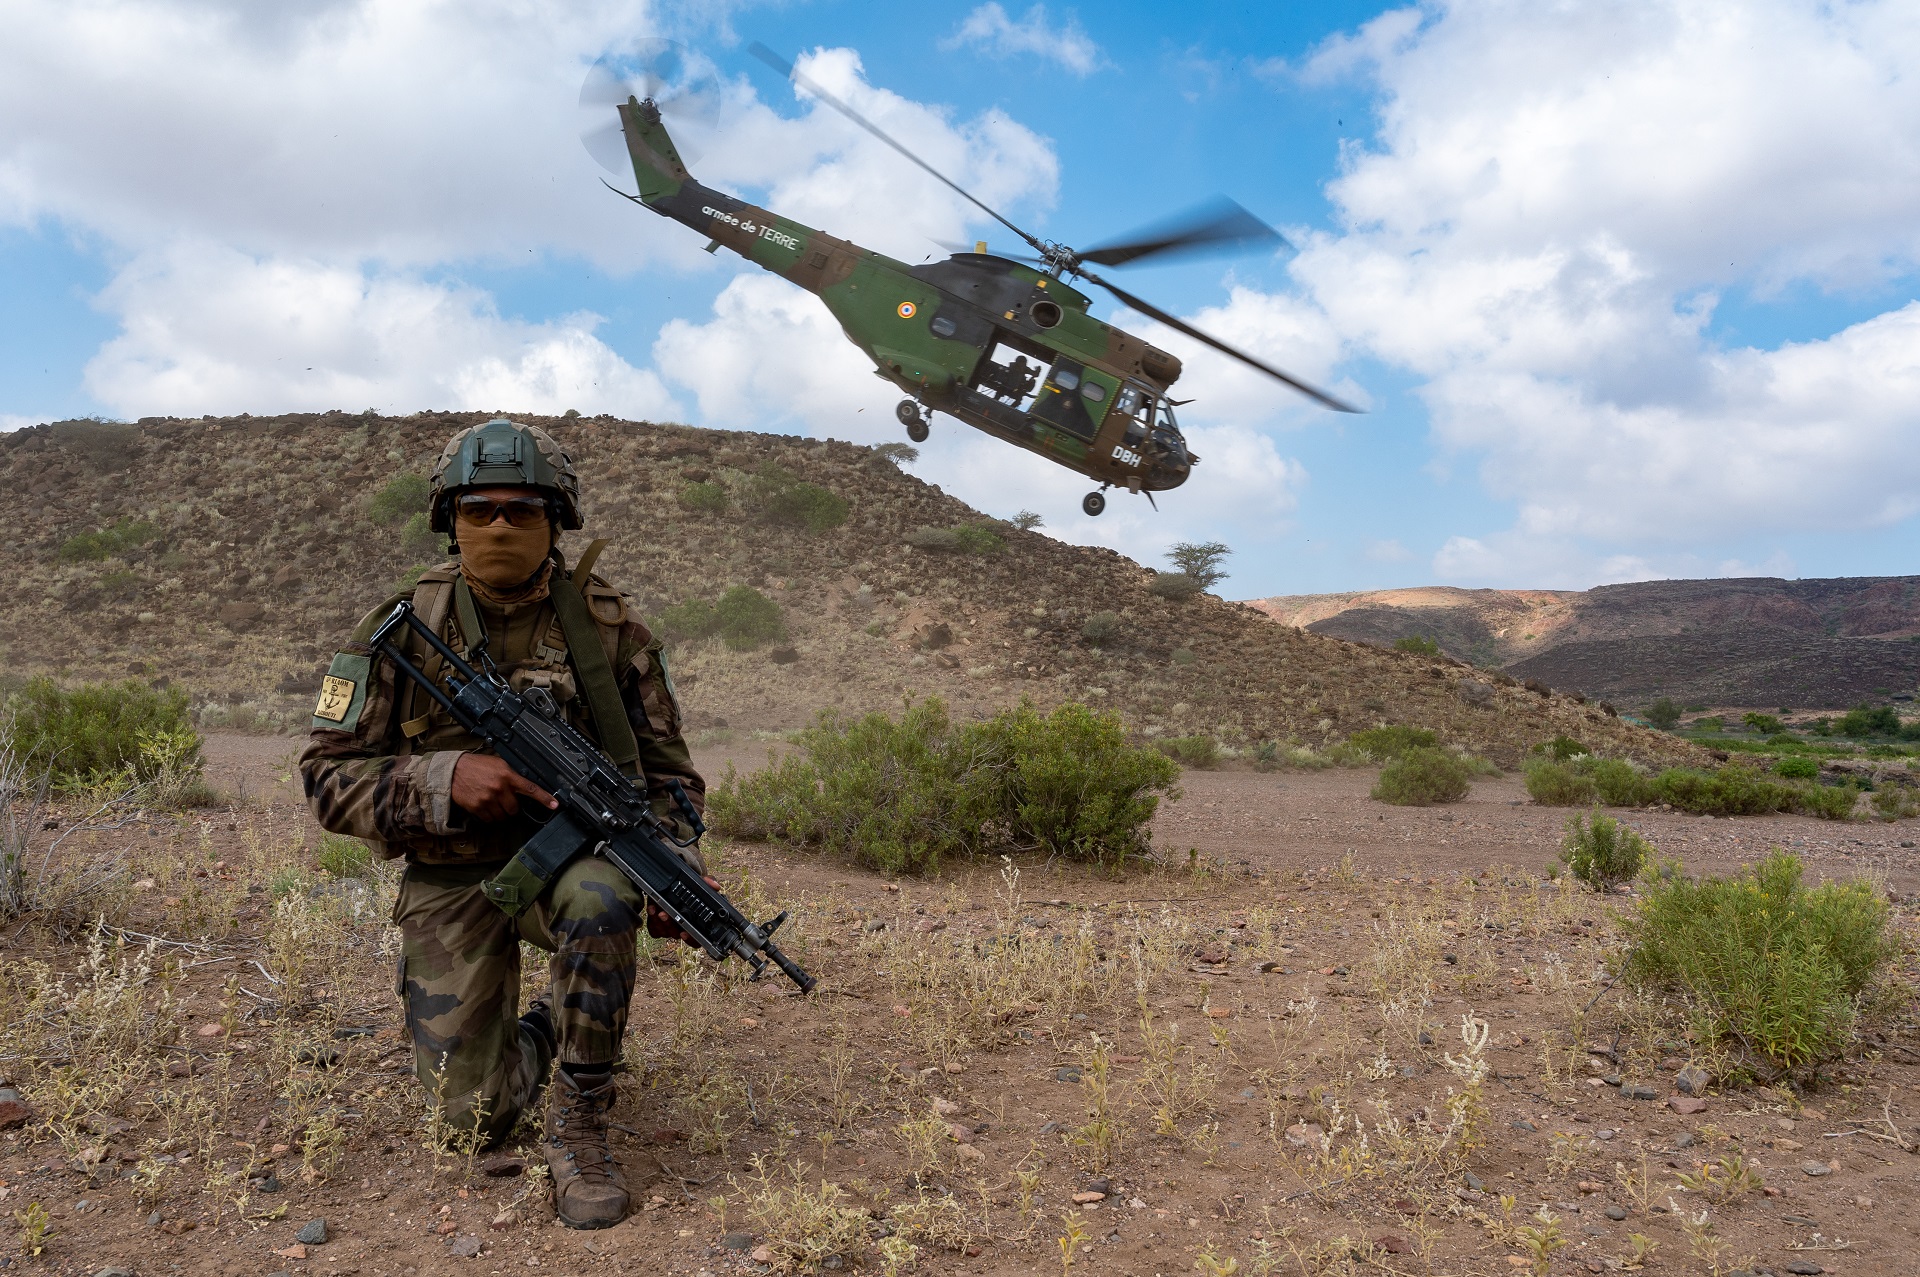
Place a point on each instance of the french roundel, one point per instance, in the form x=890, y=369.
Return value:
x=907, y=310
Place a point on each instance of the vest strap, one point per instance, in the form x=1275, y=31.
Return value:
x=583, y=570
x=596, y=674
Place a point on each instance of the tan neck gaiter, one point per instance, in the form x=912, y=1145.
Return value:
x=507, y=566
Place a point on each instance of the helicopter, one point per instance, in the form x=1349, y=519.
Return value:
x=1003, y=344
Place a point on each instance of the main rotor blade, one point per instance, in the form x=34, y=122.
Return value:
x=1216, y=226
x=1180, y=325
x=788, y=70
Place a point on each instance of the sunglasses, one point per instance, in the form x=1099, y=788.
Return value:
x=519, y=512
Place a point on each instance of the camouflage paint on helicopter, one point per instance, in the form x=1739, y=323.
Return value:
x=1101, y=408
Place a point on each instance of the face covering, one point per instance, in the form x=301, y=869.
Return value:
x=503, y=564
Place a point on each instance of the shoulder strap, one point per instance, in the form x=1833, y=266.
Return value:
x=596, y=673
x=583, y=570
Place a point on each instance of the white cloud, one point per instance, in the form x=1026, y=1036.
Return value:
x=1541, y=228
x=207, y=329
x=989, y=28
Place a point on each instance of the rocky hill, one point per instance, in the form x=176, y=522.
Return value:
x=1760, y=641
x=230, y=556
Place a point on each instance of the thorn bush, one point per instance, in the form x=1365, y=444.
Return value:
x=1602, y=852
x=1423, y=777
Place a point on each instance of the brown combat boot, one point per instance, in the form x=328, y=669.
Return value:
x=588, y=1191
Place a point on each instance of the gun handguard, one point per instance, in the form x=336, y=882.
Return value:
x=601, y=810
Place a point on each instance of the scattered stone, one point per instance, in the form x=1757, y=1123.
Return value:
x=666, y=1135
x=1305, y=1135
x=1804, y=1268
x=1271, y=968
x=944, y=1108
x=295, y=1251
x=1604, y=1133
x=1685, y=1139
x=1686, y=1105
x=212, y=1029
x=1426, y=1038
x=1805, y=1221
x=505, y=1219
x=1066, y=1073
x=783, y=655
x=503, y=1166
x=466, y=1246
x=179, y=1068
x=1615, y=1213
x=13, y=1111
x=1392, y=1243
x=1816, y=1169
x=1639, y=1091
x=1524, y=1125
x=1594, y=1230
x=968, y=1153
x=927, y=926
x=267, y=1184
x=153, y=1220
x=1475, y=1183
x=313, y=1234
x=114, y=1271
x=1084, y=1198
x=1612, y=1079
x=761, y=1255
x=346, y=1031
x=1692, y=1080
x=1472, y=691
x=875, y=925
x=737, y=1241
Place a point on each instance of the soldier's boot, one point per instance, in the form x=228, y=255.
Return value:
x=588, y=1191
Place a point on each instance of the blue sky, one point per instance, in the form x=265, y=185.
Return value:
x=1619, y=305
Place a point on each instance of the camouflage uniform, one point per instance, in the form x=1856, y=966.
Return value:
x=378, y=775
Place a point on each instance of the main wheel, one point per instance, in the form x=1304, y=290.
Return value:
x=1093, y=503
x=908, y=411
x=917, y=431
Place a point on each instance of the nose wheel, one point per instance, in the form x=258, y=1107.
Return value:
x=1093, y=503
x=913, y=418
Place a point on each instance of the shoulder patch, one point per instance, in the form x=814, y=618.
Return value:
x=343, y=692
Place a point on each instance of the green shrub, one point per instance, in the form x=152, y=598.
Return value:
x=98, y=731
x=1562, y=748
x=1663, y=714
x=1602, y=852
x=1714, y=724
x=1174, y=586
x=403, y=495
x=1864, y=720
x=1417, y=644
x=1183, y=656
x=1101, y=627
x=1895, y=802
x=780, y=498
x=1779, y=971
x=1617, y=782
x=1828, y=802
x=963, y=538
x=1394, y=740
x=103, y=543
x=706, y=497
x=1423, y=777
x=417, y=535
x=743, y=618
x=905, y=794
x=1191, y=751
x=1761, y=724
x=1554, y=784
x=1797, y=768
x=344, y=857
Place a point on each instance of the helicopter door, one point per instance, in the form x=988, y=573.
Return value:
x=1075, y=398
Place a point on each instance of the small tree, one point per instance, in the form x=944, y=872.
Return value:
x=1418, y=644
x=1664, y=714
x=1763, y=724
x=1200, y=560
x=1026, y=521
x=895, y=451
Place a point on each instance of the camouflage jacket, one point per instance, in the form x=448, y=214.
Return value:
x=376, y=774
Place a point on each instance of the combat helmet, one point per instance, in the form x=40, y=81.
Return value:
x=501, y=454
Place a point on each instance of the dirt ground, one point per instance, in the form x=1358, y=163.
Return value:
x=1323, y=1035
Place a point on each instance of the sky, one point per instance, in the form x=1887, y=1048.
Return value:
x=1627, y=290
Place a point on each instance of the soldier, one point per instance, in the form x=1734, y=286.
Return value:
x=387, y=765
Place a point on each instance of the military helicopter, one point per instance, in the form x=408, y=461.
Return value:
x=1005, y=345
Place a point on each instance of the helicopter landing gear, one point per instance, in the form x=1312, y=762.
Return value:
x=1093, y=503
x=911, y=416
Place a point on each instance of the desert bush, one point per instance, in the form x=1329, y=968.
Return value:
x=343, y=857
x=1422, y=777
x=417, y=536
x=743, y=618
x=1393, y=741
x=1174, y=586
x=1183, y=656
x=1554, y=784
x=1895, y=802
x=1797, y=768
x=1779, y=971
x=1191, y=751
x=1617, y=782
x=1417, y=644
x=1664, y=714
x=1761, y=724
x=962, y=538
x=1562, y=748
x=905, y=794
x=103, y=543
x=705, y=497
x=1868, y=720
x=403, y=496
x=1200, y=561
x=1101, y=627
x=95, y=731
x=1602, y=852
x=779, y=497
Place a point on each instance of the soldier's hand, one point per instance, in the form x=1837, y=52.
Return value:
x=661, y=927
x=491, y=790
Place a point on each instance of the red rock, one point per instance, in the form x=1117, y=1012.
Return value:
x=14, y=1113
x=1392, y=1243
x=1687, y=1104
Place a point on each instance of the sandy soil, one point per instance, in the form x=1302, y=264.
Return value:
x=1266, y=890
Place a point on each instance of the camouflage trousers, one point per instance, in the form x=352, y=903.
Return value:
x=460, y=977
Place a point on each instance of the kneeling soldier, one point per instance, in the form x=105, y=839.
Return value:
x=386, y=765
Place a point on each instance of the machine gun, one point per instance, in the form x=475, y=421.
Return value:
x=601, y=811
